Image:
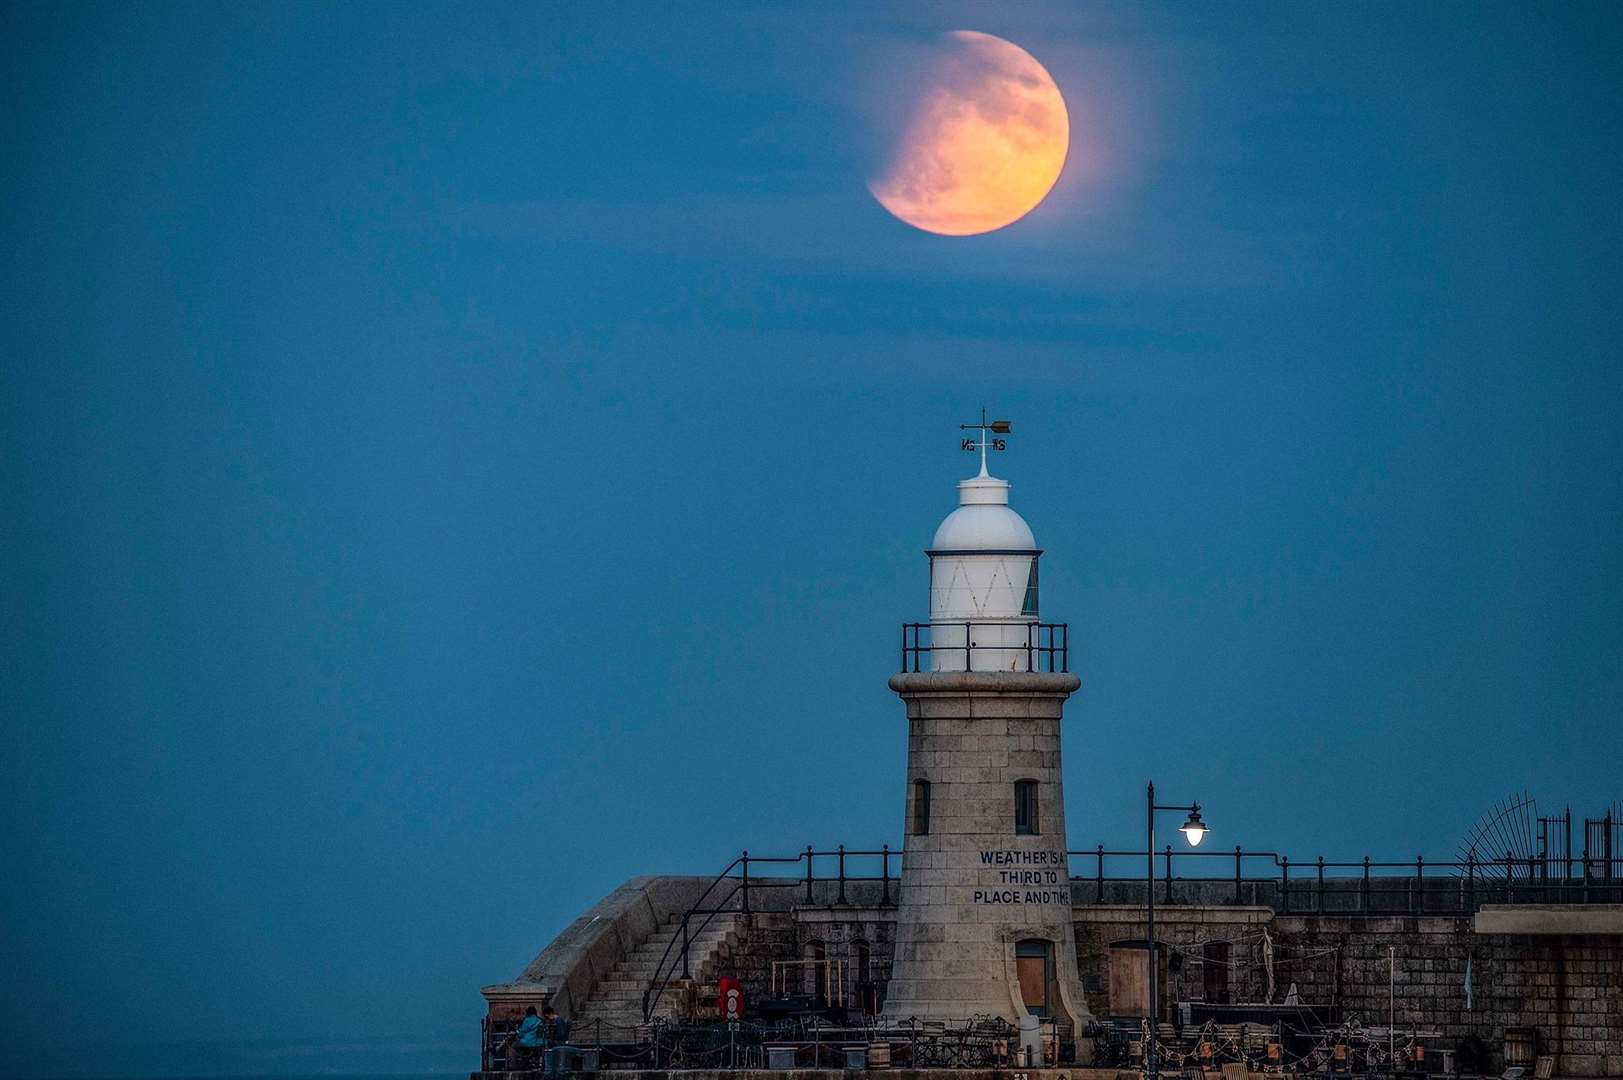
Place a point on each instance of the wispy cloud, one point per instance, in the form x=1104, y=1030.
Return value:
x=1106, y=247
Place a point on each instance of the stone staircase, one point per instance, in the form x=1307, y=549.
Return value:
x=616, y=1001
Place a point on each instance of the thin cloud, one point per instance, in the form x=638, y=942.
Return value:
x=851, y=232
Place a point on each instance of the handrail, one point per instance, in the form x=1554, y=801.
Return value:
x=651, y=996
x=647, y=1006
x=665, y=970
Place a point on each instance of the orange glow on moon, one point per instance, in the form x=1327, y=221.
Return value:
x=983, y=146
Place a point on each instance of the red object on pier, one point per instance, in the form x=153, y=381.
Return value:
x=731, y=999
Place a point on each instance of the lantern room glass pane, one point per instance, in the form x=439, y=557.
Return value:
x=1029, y=607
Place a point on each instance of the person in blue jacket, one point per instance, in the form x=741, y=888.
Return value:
x=529, y=1036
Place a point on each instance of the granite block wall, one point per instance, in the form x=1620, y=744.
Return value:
x=1568, y=989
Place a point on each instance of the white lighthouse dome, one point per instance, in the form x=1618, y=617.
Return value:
x=983, y=583
x=984, y=520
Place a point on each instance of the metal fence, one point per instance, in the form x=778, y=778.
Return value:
x=1047, y=645
x=1366, y=887
x=792, y=1042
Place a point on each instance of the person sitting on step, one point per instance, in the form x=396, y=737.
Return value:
x=554, y=1035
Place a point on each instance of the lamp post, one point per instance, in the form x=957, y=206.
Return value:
x=1194, y=830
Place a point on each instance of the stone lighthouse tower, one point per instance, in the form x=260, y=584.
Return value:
x=984, y=918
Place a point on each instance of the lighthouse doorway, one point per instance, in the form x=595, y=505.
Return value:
x=1034, y=968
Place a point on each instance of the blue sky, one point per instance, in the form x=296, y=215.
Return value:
x=454, y=460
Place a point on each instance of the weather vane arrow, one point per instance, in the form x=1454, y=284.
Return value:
x=994, y=427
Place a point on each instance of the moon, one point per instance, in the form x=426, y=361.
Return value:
x=983, y=144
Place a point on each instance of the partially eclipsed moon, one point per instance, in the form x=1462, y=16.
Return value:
x=984, y=144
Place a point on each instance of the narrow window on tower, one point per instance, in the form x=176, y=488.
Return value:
x=1025, y=808
x=921, y=808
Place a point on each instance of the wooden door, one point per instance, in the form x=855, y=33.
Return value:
x=1129, y=979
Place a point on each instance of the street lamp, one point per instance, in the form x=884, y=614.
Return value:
x=1194, y=830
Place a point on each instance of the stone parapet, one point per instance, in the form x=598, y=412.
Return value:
x=1133, y=915
x=1577, y=919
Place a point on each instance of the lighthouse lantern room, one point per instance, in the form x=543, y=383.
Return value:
x=983, y=574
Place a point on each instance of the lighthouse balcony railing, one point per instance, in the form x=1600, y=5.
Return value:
x=1046, y=646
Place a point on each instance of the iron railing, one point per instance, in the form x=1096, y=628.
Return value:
x=1367, y=887
x=739, y=888
x=1047, y=645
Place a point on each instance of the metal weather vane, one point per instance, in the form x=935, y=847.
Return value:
x=995, y=427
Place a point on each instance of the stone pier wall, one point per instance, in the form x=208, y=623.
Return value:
x=861, y=938
x=1529, y=969
x=1568, y=988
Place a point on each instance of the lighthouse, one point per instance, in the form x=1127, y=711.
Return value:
x=984, y=924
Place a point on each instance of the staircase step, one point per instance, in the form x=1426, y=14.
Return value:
x=615, y=1004
x=674, y=941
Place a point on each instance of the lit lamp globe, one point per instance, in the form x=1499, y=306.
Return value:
x=1194, y=830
